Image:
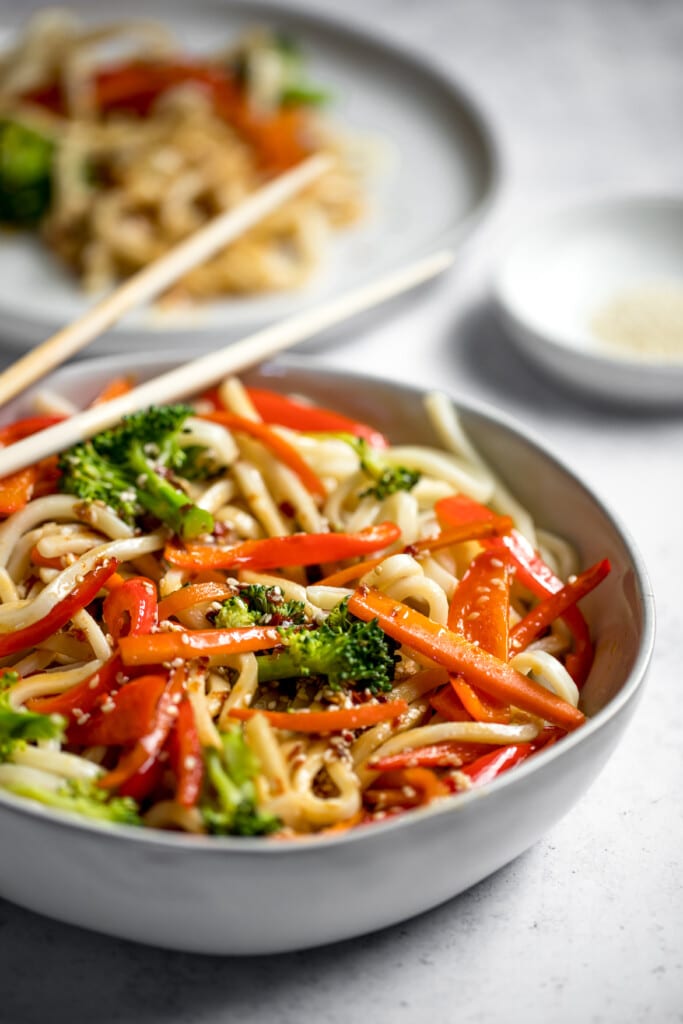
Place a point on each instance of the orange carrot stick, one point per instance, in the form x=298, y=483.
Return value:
x=446, y=648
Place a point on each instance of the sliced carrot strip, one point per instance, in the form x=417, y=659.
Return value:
x=114, y=389
x=446, y=648
x=186, y=597
x=359, y=717
x=286, y=452
x=457, y=535
x=158, y=648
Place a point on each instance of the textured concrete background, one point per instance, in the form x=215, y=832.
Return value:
x=585, y=97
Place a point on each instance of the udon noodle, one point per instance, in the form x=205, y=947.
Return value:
x=119, y=145
x=148, y=664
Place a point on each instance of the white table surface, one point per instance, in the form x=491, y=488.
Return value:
x=587, y=926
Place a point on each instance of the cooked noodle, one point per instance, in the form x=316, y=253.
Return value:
x=224, y=712
x=147, y=143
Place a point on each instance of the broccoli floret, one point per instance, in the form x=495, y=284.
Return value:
x=17, y=725
x=25, y=174
x=78, y=795
x=287, y=76
x=229, y=807
x=386, y=479
x=128, y=467
x=195, y=463
x=84, y=797
x=343, y=649
x=259, y=605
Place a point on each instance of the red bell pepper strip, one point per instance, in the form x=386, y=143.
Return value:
x=186, y=756
x=479, y=611
x=444, y=539
x=17, y=489
x=160, y=648
x=277, y=138
x=273, y=407
x=83, y=697
x=81, y=596
x=131, y=608
x=552, y=607
x=539, y=578
x=48, y=475
x=140, y=758
x=127, y=714
x=35, y=481
x=187, y=597
x=276, y=552
x=458, y=655
x=20, y=429
x=532, y=572
x=480, y=606
x=280, y=447
x=359, y=717
x=448, y=703
x=490, y=766
x=116, y=387
x=439, y=755
x=144, y=781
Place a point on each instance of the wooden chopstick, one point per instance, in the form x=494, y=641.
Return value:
x=201, y=373
x=153, y=279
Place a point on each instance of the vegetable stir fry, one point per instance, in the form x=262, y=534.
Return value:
x=115, y=145
x=252, y=616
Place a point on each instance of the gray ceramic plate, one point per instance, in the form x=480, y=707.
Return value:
x=230, y=895
x=435, y=174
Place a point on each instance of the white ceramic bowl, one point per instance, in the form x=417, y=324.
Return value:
x=561, y=272
x=232, y=895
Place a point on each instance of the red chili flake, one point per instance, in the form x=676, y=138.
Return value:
x=287, y=509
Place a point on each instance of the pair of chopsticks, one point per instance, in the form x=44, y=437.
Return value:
x=209, y=369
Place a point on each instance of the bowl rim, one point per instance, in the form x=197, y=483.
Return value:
x=559, y=342
x=187, y=842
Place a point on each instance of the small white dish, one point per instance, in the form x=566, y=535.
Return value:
x=568, y=269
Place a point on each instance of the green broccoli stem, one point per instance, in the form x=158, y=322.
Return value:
x=284, y=665
x=26, y=160
x=77, y=800
x=165, y=501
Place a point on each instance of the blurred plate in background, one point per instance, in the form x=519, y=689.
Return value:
x=435, y=175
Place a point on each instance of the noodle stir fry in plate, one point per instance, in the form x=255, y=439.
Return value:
x=117, y=146
x=254, y=616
